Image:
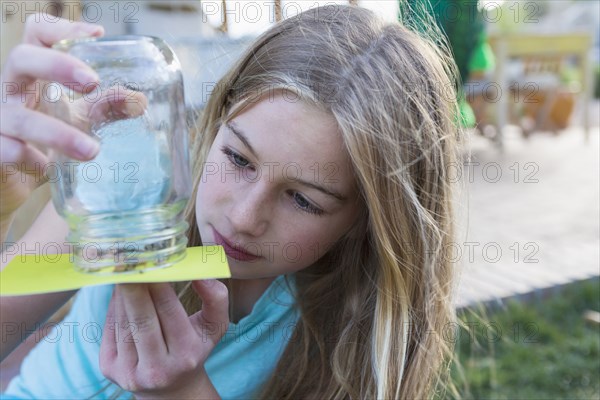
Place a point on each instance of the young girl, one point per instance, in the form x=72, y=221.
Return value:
x=332, y=138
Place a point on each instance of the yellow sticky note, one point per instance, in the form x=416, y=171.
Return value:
x=31, y=274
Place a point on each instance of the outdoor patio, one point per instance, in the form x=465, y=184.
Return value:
x=542, y=214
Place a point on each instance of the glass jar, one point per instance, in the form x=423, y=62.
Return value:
x=125, y=207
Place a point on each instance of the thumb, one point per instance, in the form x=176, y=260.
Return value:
x=213, y=319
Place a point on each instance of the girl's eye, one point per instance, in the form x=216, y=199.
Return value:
x=300, y=201
x=302, y=204
x=235, y=158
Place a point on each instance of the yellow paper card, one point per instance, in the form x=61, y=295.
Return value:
x=35, y=274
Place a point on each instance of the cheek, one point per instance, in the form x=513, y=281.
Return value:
x=307, y=247
x=210, y=187
x=200, y=203
x=207, y=197
x=315, y=241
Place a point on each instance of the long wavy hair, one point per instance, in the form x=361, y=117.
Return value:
x=373, y=310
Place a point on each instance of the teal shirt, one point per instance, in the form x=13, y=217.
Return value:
x=64, y=365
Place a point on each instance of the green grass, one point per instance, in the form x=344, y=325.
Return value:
x=542, y=349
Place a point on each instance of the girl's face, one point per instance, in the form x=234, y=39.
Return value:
x=277, y=190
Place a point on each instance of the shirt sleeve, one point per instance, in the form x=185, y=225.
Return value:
x=65, y=363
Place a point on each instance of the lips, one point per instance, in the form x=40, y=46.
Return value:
x=234, y=251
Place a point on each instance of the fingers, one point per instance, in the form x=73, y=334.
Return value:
x=100, y=107
x=118, y=355
x=27, y=125
x=126, y=333
x=21, y=128
x=115, y=103
x=140, y=365
x=177, y=331
x=42, y=31
x=108, y=347
x=141, y=314
x=28, y=63
x=160, y=325
x=213, y=319
x=17, y=155
x=154, y=314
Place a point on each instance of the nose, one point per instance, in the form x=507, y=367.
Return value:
x=249, y=211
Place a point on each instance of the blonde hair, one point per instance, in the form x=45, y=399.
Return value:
x=373, y=310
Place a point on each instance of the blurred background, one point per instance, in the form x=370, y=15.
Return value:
x=529, y=243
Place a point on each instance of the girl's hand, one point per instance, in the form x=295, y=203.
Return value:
x=151, y=347
x=21, y=126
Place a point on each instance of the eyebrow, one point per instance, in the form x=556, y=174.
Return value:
x=233, y=128
x=240, y=135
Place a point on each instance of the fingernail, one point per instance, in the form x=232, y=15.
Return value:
x=87, y=147
x=86, y=29
x=92, y=28
x=85, y=76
